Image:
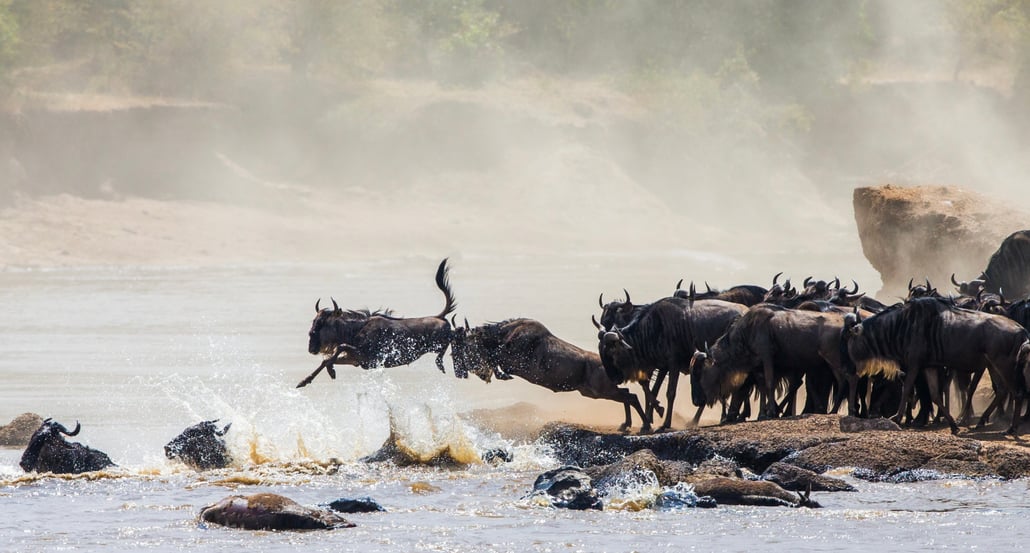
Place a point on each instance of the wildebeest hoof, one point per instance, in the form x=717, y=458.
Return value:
x=269, y=511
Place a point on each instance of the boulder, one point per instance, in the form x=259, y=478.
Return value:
x=18, y=431
x=930, y=232
x=857, y=424
x=269, y=511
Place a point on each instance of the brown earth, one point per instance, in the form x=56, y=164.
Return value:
x=930, y=232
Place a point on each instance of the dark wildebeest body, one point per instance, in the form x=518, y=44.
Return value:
x=371, y=339
x=744, y=294
x=1008, y=270
x=664, y=335
x=777, y=345
x=48, y=451
x=526, y=348
x=201, y=446
x=929, y=335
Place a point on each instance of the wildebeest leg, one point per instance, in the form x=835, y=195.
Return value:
x=770, y=409
x=906, y=392
x=629, y=399
x=697, y=417
x=439, y=358
x=342, y=352
x=967, y=405
x=670, y=396
x=933, y=382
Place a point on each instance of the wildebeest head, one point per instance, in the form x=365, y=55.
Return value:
x=971, y=288
x=320, y=337
x=862, y=342
x=616, y=354
x=201, y=446
x=691, y=292
x=615, y=312
x=921, y=290
x=469, y=353
x=779, y=293
x=48, y=451
x=712, y=377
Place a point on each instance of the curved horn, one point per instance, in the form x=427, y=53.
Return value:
x=63, y=430
x=335, y=306
x=454, y=322
x=709, y=288
x=928, y=285
x=1001, y=295
x=678, y=284
x=467, y=324
x=953, y=281
x=807, y=282
x=708, y=350
x=836, y=282
x=852, y=291
x=910, y=284
x=316, y=305
x=593, y=319
x=600, y=300
x=776, y=277
x=627, y=295
x=223, y=431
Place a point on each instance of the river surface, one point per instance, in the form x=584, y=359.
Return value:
x=138, y=354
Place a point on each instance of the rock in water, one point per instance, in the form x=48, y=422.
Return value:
x=359, y=505
x=567, y=488
x=930, y=231
x=18, y=432
x=269, y=511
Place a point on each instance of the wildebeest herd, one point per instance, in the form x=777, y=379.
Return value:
x=746, y=342
x=741, y=344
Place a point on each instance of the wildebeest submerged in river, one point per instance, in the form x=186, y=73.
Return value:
x=371, y=339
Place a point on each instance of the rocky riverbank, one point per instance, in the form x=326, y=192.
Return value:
x=815, y=443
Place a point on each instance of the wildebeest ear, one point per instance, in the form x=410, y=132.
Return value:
x=224, y=430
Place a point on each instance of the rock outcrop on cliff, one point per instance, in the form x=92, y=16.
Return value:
x=930, y=232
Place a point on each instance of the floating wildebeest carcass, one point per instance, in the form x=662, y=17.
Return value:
x=48, y=451
x=663, y=336
x=526, y=348
x=930, y=335
x=371, y=339
x=201, y=446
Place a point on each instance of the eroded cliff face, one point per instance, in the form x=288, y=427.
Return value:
x=930, y=232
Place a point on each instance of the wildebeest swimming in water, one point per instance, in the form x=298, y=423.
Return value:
x=48, y=451
x=527, y=349
x=201, y=446
x=371, y=339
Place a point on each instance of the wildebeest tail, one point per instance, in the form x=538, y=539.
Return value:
x=443, y=282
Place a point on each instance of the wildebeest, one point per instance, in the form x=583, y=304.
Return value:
x=201, y=446
x=1009, y=268
x=48, y=451
x=527, y=349
x=663, y=336
x=744, y=294
x=370, y=339
x=779, y=346
x=929, y=335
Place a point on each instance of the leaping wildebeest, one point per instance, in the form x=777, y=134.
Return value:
x=48, y=451
x=371, y=339
x=527, y=349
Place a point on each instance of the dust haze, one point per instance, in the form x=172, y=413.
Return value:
x=714, y=141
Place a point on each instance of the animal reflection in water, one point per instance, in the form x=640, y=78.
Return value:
x=371, y=339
